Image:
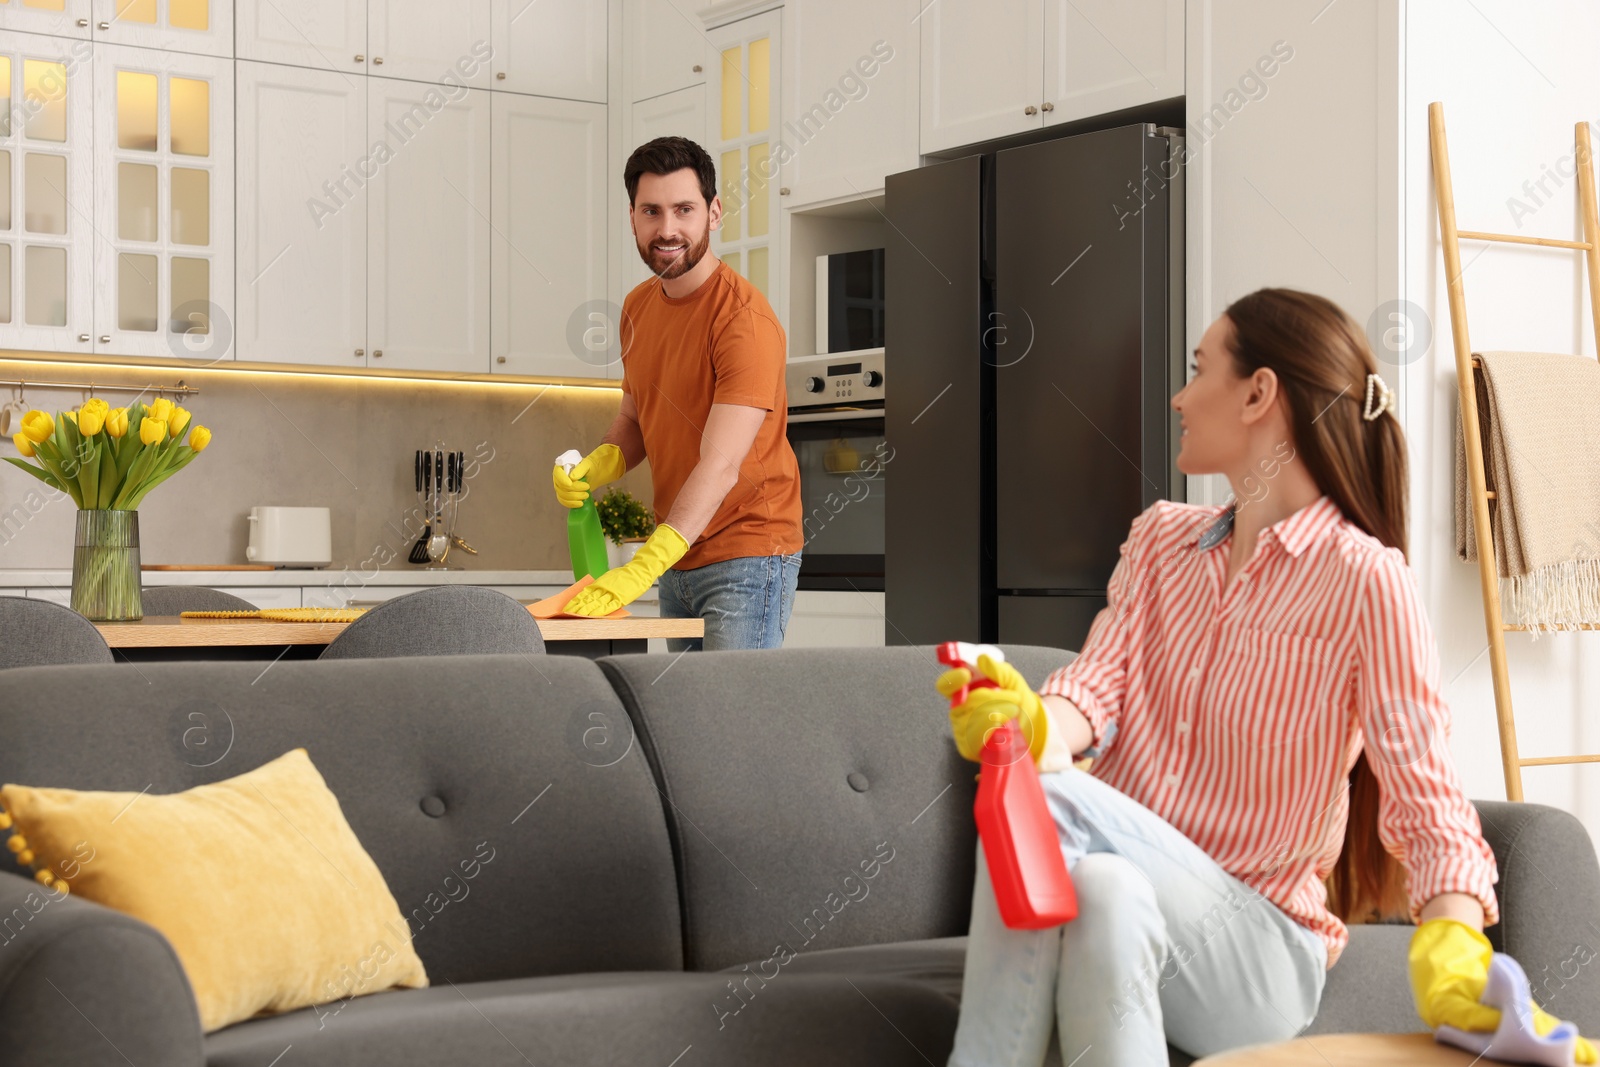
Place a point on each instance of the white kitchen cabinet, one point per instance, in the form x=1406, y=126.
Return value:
x=982, y=70
x=550, y=49
x=428, y=232
x=56, y=595
x=1105, y=55
x=46, y=193
x=262, y=596
x=850, y=96
x=303, y=166
x=664, y=47
x=204, y=27
x=679, y=114
x=549, y=264
x=163, y=162
x=446, y=41
x=326, y=34
x=1003, y=67
x=745, y=113
x=363, y=596
x=63, y=18
x=824, y=618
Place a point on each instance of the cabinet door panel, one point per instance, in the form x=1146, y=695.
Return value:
x=444, y=41
x=550, y=237
x=326, y=34
x=164, y=204
x=428, y=228
x=64, y=18
x=663, y=42
x=202, y=27
x=679, y=114
x=551, y=49
x=982, y=67
x=851, y=96
x=46, y=193
x=1104, y=55
x=304, y=167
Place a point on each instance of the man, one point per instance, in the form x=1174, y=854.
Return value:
x=703, y=398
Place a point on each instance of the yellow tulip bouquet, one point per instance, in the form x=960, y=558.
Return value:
x=107, y=459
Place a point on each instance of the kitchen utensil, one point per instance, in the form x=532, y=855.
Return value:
x=456, y=540
x=419, y=551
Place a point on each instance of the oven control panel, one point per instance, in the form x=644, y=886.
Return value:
x=840, y=378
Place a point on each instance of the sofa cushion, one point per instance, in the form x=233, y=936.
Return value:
x=467, y=779
x=217, y=870
x=632, y=1018
x=815, y=799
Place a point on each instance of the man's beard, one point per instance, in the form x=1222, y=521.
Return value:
x=685, y=261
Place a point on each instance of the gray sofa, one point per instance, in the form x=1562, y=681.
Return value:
x=724, y=858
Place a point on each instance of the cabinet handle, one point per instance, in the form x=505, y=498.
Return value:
x=1030, y=110
x=377, y=353
x=697, y=68
x=105, y=338
x=83, y=22
x=377, y=61
x=360, y=58
x=105, y=25
x=783, y=190
x=1047, y=106
x=83, y=338
x=360, y=352
x=499, y=359
x=500, y=75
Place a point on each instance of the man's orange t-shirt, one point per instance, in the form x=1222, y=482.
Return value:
x=721, y=344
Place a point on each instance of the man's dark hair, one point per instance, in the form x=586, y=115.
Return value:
x=665, y=155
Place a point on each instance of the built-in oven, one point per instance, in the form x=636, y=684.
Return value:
x=836, y=431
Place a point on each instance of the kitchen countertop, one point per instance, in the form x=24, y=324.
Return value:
x=23, y=578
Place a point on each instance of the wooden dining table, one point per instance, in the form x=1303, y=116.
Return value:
x=156, y=638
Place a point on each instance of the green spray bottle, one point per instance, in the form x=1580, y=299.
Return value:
x=585, y=540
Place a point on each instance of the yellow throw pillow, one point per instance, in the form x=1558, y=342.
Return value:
x=259, y=883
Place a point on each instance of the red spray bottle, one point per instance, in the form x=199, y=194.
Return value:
x=1031, y=885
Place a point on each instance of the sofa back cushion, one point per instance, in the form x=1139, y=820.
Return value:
x=815, y=799
x=514, y=845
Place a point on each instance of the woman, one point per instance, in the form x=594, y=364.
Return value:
x=1225, y=693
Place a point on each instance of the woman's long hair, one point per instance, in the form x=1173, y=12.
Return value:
x=1322, y=360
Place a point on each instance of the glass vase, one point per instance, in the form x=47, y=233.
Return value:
x=105, y=566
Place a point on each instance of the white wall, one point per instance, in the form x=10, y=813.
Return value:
x=1514, y=78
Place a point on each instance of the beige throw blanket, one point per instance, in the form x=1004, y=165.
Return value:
x=1539, y=416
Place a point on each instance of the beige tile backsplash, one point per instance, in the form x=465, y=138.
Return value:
x=343, y=443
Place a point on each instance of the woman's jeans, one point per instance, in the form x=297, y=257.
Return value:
x=745, y=602
x=1167, y=946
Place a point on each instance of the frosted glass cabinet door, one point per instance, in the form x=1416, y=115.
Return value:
x=163, y=204
x=304, y=166
x=550, y=266
x=325, y=34
x=63, y=18
x=551, y=49
x=428, y=227
x=445, y=41
x=742, y=124
x=46, y=193
x=204, y=27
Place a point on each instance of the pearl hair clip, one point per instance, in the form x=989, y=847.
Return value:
x=1377, y=386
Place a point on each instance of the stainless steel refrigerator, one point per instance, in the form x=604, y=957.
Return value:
x=1034, y=329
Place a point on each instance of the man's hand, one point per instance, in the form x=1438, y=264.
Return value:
x=620, y=586
x=601, y=467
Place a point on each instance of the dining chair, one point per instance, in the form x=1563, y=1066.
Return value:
x=177, y=599
x=36, y=632
x=447, y=620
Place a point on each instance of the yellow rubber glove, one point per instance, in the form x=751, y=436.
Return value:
x=1449, y=969
x=601, y=467
x=622, y=585
x=986, y=710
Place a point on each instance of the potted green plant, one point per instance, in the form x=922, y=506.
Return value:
x=626, y=521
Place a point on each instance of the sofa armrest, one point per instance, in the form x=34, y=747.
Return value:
x=82, y=984
x=1549, y=895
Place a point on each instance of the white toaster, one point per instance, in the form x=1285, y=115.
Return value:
x=290, y=537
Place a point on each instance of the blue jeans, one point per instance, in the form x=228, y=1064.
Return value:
x=1167, y=946
x=745, y=602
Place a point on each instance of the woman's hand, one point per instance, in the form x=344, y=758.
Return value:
x=1449, y=969
x=986, y=710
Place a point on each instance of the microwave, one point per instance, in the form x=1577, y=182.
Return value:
x=850, y=301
